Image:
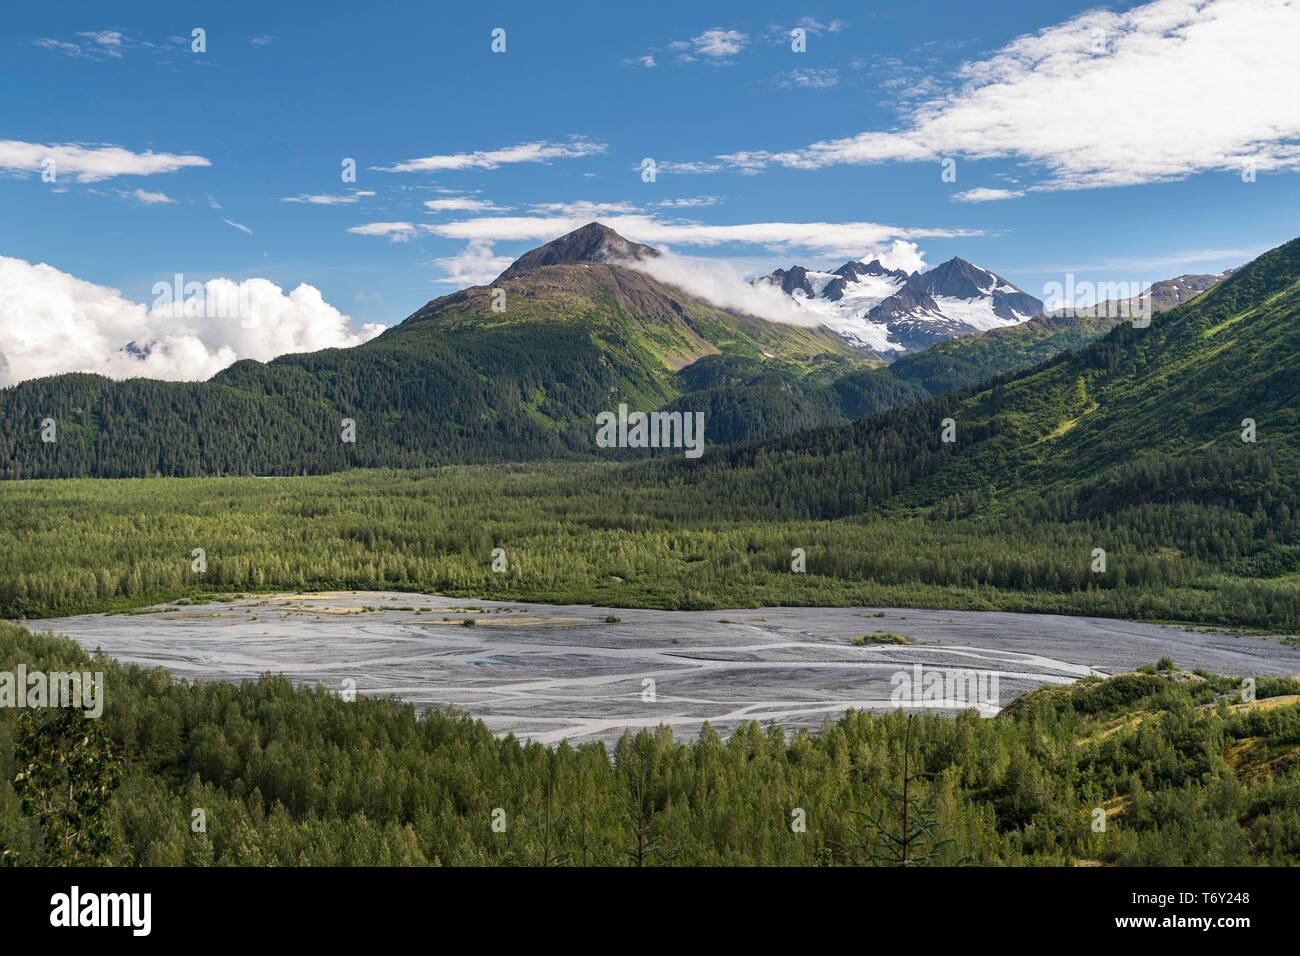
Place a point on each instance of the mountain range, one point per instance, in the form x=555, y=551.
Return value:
x=890, y=312
x=1191, y=423
x=518, y=369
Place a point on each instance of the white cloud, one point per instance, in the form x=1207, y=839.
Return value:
x=477, y=265
x=539, y=152
x=325, y=200
x=838, y=238
x=261, y=39
x=719, y=43
x=239, y=226
x=747, y=163
x=687, y=169
x=814, y=78
x=986, y=194
x=59, y=46
x=393, y=231
x=689, y=202
x=726, y=286
x=94, y=163
x=52, y=322
x=1157, y=92
x=582, y=209
x=899, y=254
x=152, y=198
x=462, y=204
x=95, y=44
x=718, y=281
x=810, y=25
x=103, y=37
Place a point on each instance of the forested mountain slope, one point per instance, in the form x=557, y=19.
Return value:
x=1144, y=416
x=959, y=363
x=1132, y=444
x=517, y=370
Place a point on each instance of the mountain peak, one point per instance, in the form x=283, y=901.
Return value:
x=594, y=242
x=855, y=269
x=891, y=310
x=958, y=271
x=960, y=280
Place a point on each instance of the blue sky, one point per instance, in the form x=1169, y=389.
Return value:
x=1114, y=162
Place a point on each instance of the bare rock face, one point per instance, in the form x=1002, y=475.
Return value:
x=592, y=243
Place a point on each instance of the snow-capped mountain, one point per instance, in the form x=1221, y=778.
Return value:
x=890, y=312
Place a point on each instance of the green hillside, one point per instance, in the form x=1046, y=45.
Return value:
x=456, y=382
x=1132, y=445
x=512, y=371
x=1158, y=410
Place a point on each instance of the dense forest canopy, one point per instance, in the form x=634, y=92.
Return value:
x=608, y=534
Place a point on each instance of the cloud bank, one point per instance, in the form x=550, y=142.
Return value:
x=52, y=322
x=1155, y=93
x=720, y=283
x=847, y=239
x=478, y=264
x=723, y=284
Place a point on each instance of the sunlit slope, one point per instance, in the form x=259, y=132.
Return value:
x=1176, y=390
x=458, y=381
